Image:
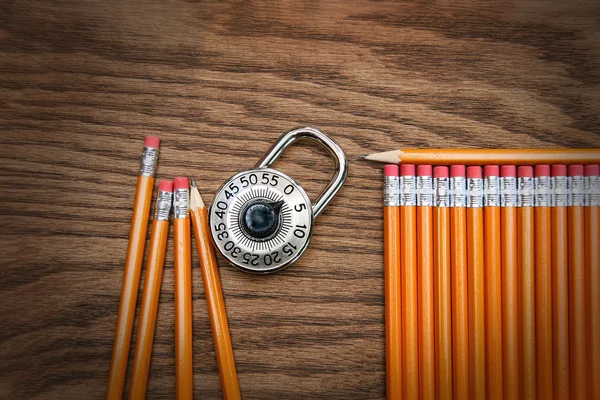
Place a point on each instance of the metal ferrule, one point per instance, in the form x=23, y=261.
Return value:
x=458, y=196
x=525, y=192
x=543, y=191
x=592, y=191
x=181, y=203
x=408, y=191
x=508, y=191
x=475, y=192
x=441, y=191
x=149, y=160
x=491, y=191
x=164, y=200
x=425, y=191
x=576, y=188
x=560, y=192
x=391, y=191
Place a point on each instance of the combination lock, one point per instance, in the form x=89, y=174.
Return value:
x=261, y=219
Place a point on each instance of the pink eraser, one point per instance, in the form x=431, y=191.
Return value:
x=559, y=170
x=576, y=170
x=424, y=170
x=474, y=172
x=181, y=182
x=525, y=171
x=491, y=170
x=542, y=170
x=457, y=171
x=407, y=170
x=591, y=170
x=508, y=171
x=152, y=141
x=440, y=172
x=165, y=185
x=390, y=170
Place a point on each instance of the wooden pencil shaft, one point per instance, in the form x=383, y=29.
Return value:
x=592, y=245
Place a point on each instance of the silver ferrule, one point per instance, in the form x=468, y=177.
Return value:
x=164, y=200
x=181, y=203
x=408, y=191
x=592, y=191
x=391, y=191
x=149, y=160
x=425, y=191
x=576, y=188
x=441, y=191
x=560, y=192
x=475, y=192
x=491, y=191
x=543, y=191
x=458, y=195
x=508, y=191
x=525, y=192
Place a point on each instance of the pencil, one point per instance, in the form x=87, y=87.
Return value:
x=393, y=327
x=442, y=284
x=560, y=283
x=592, y=245
x=526, y=266
x=577, y=307
x=133, y=266
x=408, y=267
x=425, y=297
x=488, y=156
x=511, y=359
x=459, y=281
x=154, y=270
x=476, y=285
x=183, y=291
x=543, y=281
x=214, y=296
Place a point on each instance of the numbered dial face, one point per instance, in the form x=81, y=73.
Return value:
x=261, y=220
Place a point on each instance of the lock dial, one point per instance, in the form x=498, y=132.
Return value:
x=261, y=220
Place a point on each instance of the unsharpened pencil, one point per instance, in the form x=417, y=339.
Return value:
x=592, y=245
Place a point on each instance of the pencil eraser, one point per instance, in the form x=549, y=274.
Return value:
x=542, y=170
x=440, y=172
x=474, y=172
x=508, y=171
x=576, y=170
x=407, y=170
x=181, y=182
x=591, y=170
x=457, y=171
x=424, y=170
x=165, y=186
x=390, y=170
x=525, y=171
x=152, y=141
x=491, y=170
x=559, y=170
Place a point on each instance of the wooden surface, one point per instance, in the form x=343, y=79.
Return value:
x=82, y=82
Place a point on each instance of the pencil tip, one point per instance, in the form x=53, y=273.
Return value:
x=362, y=157
x=192, y=182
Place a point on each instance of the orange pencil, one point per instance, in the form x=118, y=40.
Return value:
x=442, y=285
x=592, y=245
x=408, y=266
x=526, y=266
x=183, y=291
x=577, y=308
x=425, y=282
x=133, y=266
x=475, y=262
x=214, y=296
x=459, y=279
x=393, y=326
x=560, y=283
x=150, y=297
x=510, y=283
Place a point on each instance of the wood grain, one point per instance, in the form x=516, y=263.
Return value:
x=81, y=84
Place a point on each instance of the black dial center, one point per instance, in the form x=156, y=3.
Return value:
x=260, y=219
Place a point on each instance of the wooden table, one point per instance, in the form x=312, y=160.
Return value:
x=82, y=83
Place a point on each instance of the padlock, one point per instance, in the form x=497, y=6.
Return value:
x=261, y=220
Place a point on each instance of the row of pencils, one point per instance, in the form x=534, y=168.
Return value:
x=492, y=281
x=185, y=203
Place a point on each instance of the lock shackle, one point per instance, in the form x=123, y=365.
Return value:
x=329, y=144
